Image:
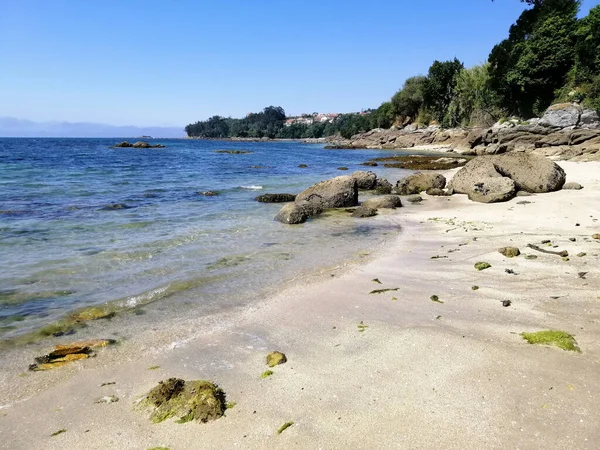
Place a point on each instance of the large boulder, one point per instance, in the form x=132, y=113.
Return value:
x=492, y=190
x=363, y=211
x=298, y=212
x=589, y=119
x=339, y=192
x=365, y=180
x=562, y=115
x=383, y=201
x=383, y=187
x=531, y=173
x=418, y=182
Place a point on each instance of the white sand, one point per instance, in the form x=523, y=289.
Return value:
x=455, y=375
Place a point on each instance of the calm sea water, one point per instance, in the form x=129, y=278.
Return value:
x=61, y=249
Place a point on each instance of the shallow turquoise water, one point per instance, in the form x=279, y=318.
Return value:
x=60, y=249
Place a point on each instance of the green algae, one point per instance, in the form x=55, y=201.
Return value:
x=159, y=448
x=230, y=405
x=556, y=338
x=284, y=427
x=61, y=431
x=228, y=261
x=266, y=374
x=482, y=265
x=382, y=291
x=153, y=367
x=275, y=359
x=362, y=327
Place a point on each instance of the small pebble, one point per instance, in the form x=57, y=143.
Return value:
x=506, y=303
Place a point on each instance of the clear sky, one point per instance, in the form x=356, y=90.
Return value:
x=171, y=62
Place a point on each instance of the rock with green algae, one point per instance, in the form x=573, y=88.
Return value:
x=64, y=354
x=482, y=265
x=275, y=359
x=266, y=374
x=559, y=339
x=509, y=252
x=187, y=401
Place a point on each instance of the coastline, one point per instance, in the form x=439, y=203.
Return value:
x=455, y=375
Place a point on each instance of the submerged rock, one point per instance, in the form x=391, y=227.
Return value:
x=233, y=152
x=114, y=207
x=275, y=359
x=298, y=212
x=187, y=401
x=208, y=193
x=363, y=211
x=384, y=201
x=139, y=144
x=339, y=192
x=275, y=198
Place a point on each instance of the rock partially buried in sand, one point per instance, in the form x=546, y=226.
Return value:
x=363, y=211
x=64, y=354
x=275, y=359
x=187, y=401
x=572, y=186
x=596, y=236
x=414, y=199
x=275, y=198
x=384, y=201
x=509, y=252
x=419, y=182
x=482, y=265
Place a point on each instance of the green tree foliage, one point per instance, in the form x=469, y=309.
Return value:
x=408, y=101
x=474, y=102
x=532, y=63
x=439, y=89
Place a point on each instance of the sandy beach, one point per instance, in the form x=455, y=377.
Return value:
x=416, y=374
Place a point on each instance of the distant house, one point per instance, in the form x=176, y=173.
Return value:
x=309, y=119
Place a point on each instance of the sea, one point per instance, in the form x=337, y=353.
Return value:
x=84, y=225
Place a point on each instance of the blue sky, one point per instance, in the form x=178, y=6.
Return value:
x=170, y=62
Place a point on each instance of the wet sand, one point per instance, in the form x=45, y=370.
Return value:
x=422, y=374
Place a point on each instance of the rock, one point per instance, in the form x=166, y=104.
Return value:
x=342, y=168
x=123, y=144
x=482, y=265
x=339, y=192
x=509, y=252
x=418, y=182
x=596, y=236
x=475, y=137
x=384, y=201
x=524, y=194
x=435, y=192
x=302, y=166
x=492, y=190
x=529, y=173
x=187, y=401
x=365, y=180
x=414, y=199
x=383, y=187
x=506, y=303
x=561, y=115
x=208, y=193
x=298, y=212
x=114, y=206
x=370, y=163
x=572, y=186
x=589, y=119
x=275, y=198
x=64, y=354
x=233, y=152
x=363, y=211
x=108, y=399
x=275, y=359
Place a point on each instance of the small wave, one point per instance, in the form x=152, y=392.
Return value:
x=252, y=187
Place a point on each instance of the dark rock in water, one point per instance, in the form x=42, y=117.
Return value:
x=208, y=193
x=418, y=182
x=123, y=144
x=139, y=144
x=370, y=164
x=114, y=206
x=298, y=212
x=363, y=211
x=383, y=187
x=234, y=152
x=302, y=166
x=275, y=198
x=365, y=180
x=384, y=201
x=572, y=186
x=342, y=168
x=417, y=162
x=509, y=252
x=339, y=192
x=187, y=401
x=414, y=199
x=275, y=359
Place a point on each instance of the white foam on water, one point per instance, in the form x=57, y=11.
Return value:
x=252, y=187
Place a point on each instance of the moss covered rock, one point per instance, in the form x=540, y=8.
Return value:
x=482, y=265
x=509, y=252
x=186, y=401
x=275, y=359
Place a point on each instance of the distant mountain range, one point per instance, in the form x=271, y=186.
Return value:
x=11, y=127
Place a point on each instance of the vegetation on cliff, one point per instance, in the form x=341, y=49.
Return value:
x=549, y=55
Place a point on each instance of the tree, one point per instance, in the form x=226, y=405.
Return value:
x=532, y=63
x=408, y=100
x=439, y=89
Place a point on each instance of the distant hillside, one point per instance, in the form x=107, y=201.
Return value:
x=11, y=127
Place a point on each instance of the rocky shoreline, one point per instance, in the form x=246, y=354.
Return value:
x=565, y=132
